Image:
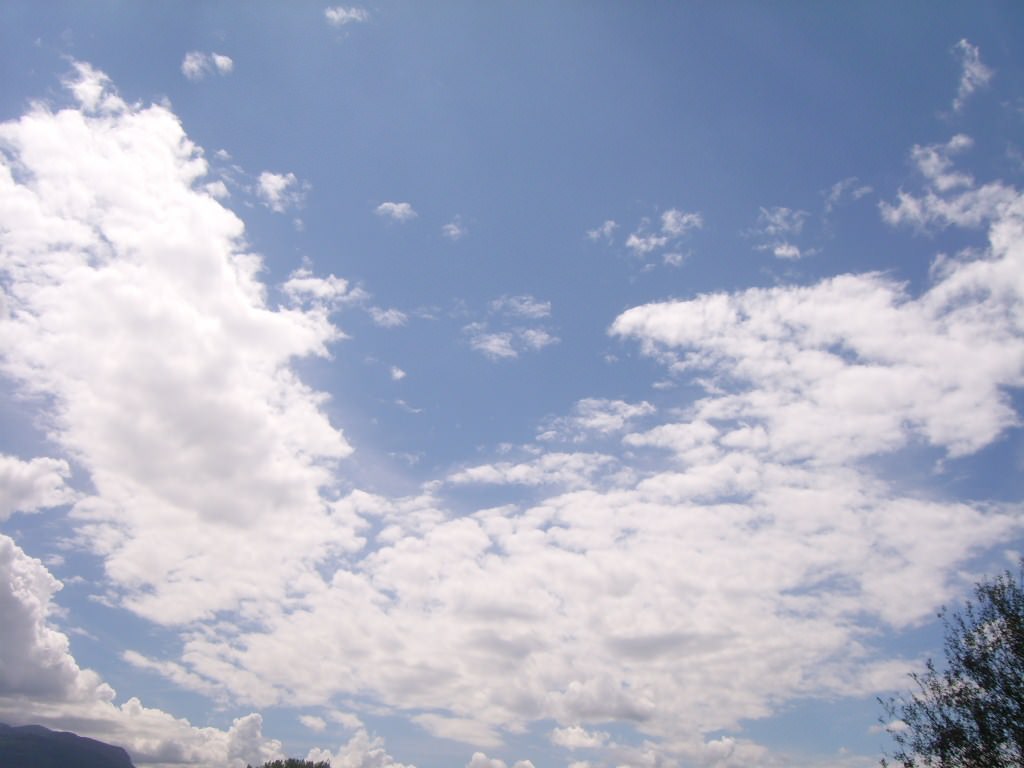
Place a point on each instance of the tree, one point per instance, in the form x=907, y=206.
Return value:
x=294, y=762
x=971, y=713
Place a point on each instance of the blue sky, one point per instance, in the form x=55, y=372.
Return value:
x=501, y=385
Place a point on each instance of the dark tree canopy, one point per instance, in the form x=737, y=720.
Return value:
x=293, y=762
x=969, y=714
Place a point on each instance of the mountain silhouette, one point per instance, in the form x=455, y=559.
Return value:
x=33, y=746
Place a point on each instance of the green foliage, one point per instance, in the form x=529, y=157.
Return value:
x=971, y=713
x=293, y=762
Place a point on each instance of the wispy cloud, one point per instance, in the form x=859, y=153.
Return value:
x=973, y=73
x=196, y=65
x=522, y=306
x=454, y=230
x=388, y=318
x=777, y=228
x=603, y=232
x=849, y=188
x=340, y=16
x=506, y=333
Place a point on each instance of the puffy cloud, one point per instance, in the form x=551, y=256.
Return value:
x=339, y=15
x=35, y=660
x=107, y=245
x=196, y=65
x=480, y=760
x=361, y=751
x=850, y=366
x=973, y=73
x=786, y=251
x=400, y=212
x=304, y=288
x=279, y=191
x=27, y=486
x=40, y=682
x=739, y=553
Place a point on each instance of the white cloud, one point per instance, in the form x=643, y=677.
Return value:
x=361, y=751
x=786, y=251
x=574, y=470
x=642, y=244
x=314, y=723
x=400, y=212
x=217, y=189
x=592, y=416
x=280, y=191
x=304, y=288
x=40, y=682
x=508, y=344
x=28, y=486
x=604, y=232
x=36, y=660
x=212, y=423
x=934, y=161
x=454, y=230
x=907, y=366
x=973, y=74
x=537, y=338
x=575, y=737
x=780, y=220
x=196, y=65
x=776, y=228
x=495, y=346
x=522, y=306
x=339, y=16
x=848, y=188
x=223, y=63
x=388, y=318
x=464, y=729
x=951, y=197
x=397, y=374
x=480, y=760
x=346, y=719
x=674, y=224
x=511, y=338
x=210, y=459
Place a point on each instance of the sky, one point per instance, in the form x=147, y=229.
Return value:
x=502, y=385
